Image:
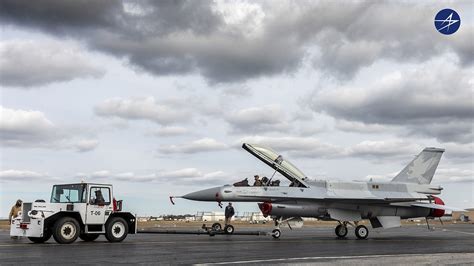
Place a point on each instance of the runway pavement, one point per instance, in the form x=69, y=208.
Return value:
x=407, y=245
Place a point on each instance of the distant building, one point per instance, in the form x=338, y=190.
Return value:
x=253, y=217
x=210, y=216
x=189, y=218
x=464, y=216
x=143, y=219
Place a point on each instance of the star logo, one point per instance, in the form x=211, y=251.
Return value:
x=447, y=21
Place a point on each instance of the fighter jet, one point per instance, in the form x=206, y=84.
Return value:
x=408, y=195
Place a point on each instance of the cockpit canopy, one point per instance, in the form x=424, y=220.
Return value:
x=277, y=162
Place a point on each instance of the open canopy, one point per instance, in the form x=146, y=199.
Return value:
x=277, y=162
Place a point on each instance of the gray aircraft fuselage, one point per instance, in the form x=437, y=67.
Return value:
x=408, y=195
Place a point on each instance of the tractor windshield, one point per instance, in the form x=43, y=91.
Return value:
x=74, y=193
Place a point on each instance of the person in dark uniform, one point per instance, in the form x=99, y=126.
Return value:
x=229, y=212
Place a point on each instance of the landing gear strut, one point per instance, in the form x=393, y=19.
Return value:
x=276, y=233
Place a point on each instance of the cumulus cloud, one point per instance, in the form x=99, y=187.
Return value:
x=315, y=148
x=27, y=64
x=258, y=119
x=442, y=175
x=360, y=127
x=459, y=151
x=24, y=127
x=145, y=108
x=169, y=131
x=23, y=176
x=184, y=176
x=454, y=175
x=181, y=37
x=86, y=145
x=200, y=145
x=389, y=148
x=434, y=99
x=32, y=129
x=296, y=146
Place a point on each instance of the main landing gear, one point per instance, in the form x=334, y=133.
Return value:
x=361, y=231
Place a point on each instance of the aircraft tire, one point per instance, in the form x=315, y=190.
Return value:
x=341, y=231
x=276, y=233
x=229, y=229
x=216, y=226
x=361, y=232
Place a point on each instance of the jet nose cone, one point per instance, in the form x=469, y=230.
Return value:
x=210, y=194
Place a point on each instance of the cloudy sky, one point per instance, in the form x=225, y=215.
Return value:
x=157, y=97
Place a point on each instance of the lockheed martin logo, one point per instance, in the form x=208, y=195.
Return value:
x=447, y=21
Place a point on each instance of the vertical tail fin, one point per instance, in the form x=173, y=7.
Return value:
x=421, y=170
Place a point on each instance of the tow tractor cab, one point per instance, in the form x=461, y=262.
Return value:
x=84, y=210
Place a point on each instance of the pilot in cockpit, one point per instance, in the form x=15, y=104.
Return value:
x=258, y=182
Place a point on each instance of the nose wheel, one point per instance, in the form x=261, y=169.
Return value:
x=276, y=233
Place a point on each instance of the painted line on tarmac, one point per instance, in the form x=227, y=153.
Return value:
x=456, y=231
x=324, y=258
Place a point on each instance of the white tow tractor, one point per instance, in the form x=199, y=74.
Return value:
x=84, y=210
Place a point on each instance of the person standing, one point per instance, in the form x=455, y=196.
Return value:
x=229, y=212
x=14, y=213
x=15, y=210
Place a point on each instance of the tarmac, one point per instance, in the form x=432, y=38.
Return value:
x=450, y=244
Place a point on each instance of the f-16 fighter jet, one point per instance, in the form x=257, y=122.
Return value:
x=408, y=195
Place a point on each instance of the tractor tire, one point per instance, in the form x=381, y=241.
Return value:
x=88, y=237
x=116, y=229
x=66, y=230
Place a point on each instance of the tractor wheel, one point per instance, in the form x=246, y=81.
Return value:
x=66, y=230
x=116, y=229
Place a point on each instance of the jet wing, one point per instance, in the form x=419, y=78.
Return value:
x=276, y=161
